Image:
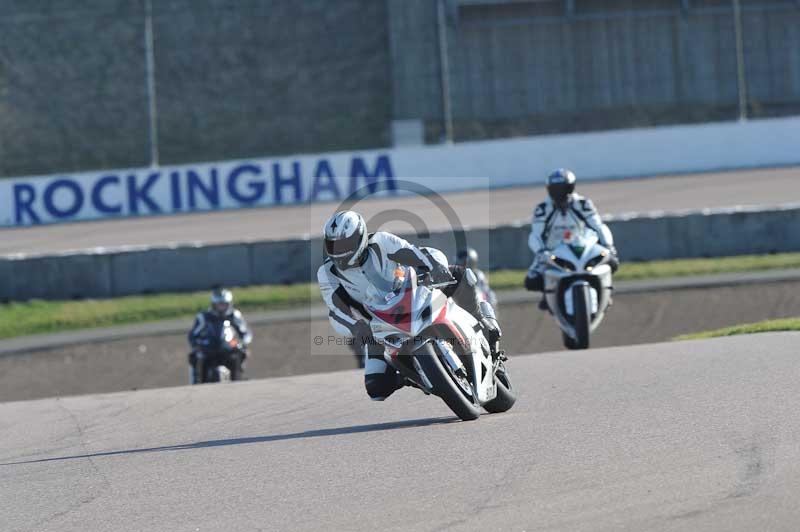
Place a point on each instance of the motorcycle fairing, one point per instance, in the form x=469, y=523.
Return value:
x=420, y=309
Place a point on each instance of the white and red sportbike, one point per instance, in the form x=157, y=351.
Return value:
x=437, y=345
x=578, y=286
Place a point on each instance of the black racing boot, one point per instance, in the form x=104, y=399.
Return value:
x=194, y=371
x=194, y=375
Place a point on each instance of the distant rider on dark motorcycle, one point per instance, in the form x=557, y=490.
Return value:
x=563, y=212
x=211, y=319
x=353, y=256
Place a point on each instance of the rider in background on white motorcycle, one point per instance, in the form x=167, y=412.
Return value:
x=468, y=258
x=563, y=212
x=221, y=309
x=353, y=256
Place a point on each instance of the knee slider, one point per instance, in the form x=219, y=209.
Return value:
x=614, y=263
x=535, y=283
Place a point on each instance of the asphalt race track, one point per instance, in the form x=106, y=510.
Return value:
x=679, y=436
x=476, y=209
x=285, y=348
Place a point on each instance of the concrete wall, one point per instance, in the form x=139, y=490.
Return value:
x=255, y=78
x=524, y=68
x=233, y=79
x=688, y=235
x=72, y=91
x=188, y=268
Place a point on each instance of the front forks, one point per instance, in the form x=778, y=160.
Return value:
x=501, y=357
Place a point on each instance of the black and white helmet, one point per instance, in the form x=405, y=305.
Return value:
x=560, y=184
x=221, y=301
x=346, y=239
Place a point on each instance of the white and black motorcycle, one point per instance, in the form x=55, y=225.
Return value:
x=578, y=286
x=437, y=345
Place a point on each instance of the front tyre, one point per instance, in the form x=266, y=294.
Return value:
x=454, y=390
x=236, y=366
x=569, y=343
x=506, y=392
x=581, y=304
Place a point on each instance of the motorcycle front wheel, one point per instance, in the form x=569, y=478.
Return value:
x=569, y=343
x=583, y=315
x=454, y=390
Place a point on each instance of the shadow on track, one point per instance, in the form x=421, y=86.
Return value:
x=356, y=429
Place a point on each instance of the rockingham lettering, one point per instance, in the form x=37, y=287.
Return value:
x=193, y=188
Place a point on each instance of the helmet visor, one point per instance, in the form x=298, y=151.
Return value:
x=221, y=307
x=559, y=192
x=344, y=247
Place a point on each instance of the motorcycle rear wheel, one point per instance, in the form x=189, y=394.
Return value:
x=506, y=393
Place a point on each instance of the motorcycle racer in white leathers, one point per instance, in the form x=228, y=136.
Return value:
x=562, y=213
x=353, y=258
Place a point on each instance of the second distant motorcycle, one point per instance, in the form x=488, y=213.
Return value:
x=578, y=286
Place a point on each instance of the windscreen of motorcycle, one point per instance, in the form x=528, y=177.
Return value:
x=386, y=283
x=582, y=241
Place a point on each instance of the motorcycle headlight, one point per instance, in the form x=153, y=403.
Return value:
x=598, y=260
x=562, y=263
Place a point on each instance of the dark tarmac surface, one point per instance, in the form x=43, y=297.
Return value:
x=285, y=348
x=475, y=209
x=682, y=436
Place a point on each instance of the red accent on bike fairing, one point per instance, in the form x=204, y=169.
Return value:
x=399, y=315
x=443, y=319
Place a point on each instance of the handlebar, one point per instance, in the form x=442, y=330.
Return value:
x=425, y=280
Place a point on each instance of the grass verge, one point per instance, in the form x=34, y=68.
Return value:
x=787, y=324
x=38, y=317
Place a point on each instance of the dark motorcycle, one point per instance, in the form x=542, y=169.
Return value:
x=219, y=354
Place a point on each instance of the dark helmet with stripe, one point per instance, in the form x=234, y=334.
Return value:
x=560, y=184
